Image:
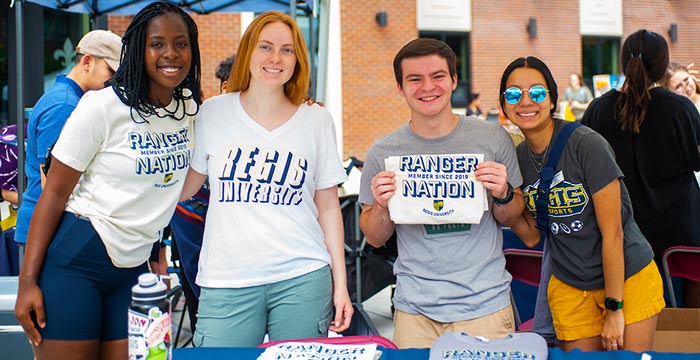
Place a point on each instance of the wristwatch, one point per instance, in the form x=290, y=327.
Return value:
x=613, y=304
x=507, y=199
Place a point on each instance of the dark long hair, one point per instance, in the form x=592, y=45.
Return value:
x=644, y=60
x=130, y=82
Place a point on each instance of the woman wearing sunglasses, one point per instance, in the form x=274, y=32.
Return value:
x=605, y=291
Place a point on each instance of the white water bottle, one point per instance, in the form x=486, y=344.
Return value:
x=149, y=320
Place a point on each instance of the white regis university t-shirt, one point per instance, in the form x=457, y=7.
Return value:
x=133, y=171
x=262, y=223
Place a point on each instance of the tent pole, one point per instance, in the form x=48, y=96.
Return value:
x=19, y=103
x=312, y=53
x=322, y=40
x=293, y=9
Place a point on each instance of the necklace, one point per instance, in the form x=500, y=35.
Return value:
x=537, y=165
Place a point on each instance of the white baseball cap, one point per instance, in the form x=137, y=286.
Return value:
x=103, y=44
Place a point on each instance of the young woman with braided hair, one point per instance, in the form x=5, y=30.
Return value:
x=135, y=85
x=127, y=148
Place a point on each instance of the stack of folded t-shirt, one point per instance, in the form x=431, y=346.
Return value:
x=456, y=345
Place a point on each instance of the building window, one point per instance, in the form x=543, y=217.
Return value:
x=459, y=42
x=62, y=31
x=601, y=55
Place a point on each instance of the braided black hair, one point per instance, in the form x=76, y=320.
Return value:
x=130, y=82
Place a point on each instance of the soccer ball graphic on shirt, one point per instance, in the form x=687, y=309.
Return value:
x=576, y=225
x=555, y=228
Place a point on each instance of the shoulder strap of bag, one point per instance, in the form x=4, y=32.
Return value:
x=547, y=174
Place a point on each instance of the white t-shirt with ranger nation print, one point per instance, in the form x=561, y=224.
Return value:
x=133, y=171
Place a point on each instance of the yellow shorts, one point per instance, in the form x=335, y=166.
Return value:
x=579, y=314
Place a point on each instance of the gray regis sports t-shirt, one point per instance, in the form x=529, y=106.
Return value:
x=587, y=164
x=448, y=272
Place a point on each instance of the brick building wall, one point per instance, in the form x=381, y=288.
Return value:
x=372, y=105
x=118, y=23
x=219, y=35
x=637, y=15
x=499, y=35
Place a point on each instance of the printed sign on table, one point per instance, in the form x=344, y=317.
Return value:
x=320, y=351
x=436, y=189
x=605, y=82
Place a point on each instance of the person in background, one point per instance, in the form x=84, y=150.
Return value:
x=473, y=108
x=449, y=277
x=223, y=71
x=605, y=291
x=8, y=165
x=118, y=169
x=272, y=259
x=96, y=60
x=578, y=95
x=654, y=135
x=9, y=251
x=188, y=221
x=682, y=82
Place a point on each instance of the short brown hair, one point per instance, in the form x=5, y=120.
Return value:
x=424, y=47
x=297, y=87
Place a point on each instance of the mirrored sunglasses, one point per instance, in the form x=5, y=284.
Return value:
x=537, y=94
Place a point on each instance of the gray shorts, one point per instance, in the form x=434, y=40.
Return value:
x=297, y=308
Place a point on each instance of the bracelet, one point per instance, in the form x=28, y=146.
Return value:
x=507, y=199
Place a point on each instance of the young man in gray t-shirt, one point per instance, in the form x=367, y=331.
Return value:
x=449, y=277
